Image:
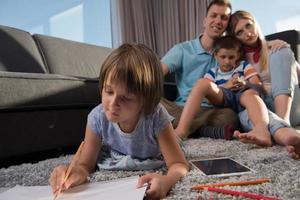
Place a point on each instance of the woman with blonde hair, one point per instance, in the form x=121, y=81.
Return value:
x=277, y=68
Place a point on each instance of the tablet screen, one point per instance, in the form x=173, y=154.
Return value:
x=221, y=167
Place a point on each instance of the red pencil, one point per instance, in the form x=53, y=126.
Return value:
x=239, y=193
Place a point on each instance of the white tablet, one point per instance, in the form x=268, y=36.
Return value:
x=220, y=167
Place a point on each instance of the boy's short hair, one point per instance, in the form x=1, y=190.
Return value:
x=219, y=3
x=139, y=69
x=227, y=42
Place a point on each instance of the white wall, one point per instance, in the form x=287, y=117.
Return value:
x=80, y=20
x=272, y=15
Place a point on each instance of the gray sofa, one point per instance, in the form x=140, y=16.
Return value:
x=48, y=86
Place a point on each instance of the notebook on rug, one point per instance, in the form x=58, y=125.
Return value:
x=124, y=188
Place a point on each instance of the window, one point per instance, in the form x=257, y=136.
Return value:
x=79, y=20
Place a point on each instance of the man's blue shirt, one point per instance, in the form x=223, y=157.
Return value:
x=189, y=61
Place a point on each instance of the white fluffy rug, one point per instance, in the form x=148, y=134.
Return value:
x=272, y=163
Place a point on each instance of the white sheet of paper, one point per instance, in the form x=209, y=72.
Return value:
x=114, y=190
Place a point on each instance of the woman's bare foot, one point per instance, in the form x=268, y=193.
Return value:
x=289, y=138
x=293, y=146
x=293, y=151
x=259, y=136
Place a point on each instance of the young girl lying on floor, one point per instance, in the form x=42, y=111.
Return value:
x=130, y=130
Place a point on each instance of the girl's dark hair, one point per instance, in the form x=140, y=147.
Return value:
x=139, y=69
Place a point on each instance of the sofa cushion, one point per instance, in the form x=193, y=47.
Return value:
x=19, y=52
x=71, y=58
x=46, y=91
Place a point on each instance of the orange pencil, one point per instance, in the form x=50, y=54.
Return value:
x=238, y=183
x=69, y=169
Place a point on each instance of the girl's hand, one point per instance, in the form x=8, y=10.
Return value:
x=157, y=185
x=275, y=45
x=78, y=175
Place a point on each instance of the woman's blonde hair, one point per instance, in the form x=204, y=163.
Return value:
x=234, y=19
x=139, y=69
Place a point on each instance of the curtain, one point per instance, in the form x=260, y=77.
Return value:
x=158, y=24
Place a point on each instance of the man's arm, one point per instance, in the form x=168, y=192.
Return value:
x=165, y=69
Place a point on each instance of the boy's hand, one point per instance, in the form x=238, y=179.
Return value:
x=157, y=185
x=235, y=83
x=240, y=82
x=229, y=84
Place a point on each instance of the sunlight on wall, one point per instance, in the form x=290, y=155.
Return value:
x=68, y=24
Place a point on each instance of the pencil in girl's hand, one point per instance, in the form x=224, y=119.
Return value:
x=69, y=169
x=238, y=183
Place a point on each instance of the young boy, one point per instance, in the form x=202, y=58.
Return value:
x=225, y=86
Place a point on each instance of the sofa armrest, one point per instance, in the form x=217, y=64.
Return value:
x=170, y=90
x=292, y=37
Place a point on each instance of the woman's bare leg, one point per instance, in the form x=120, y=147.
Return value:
x=283, y=104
